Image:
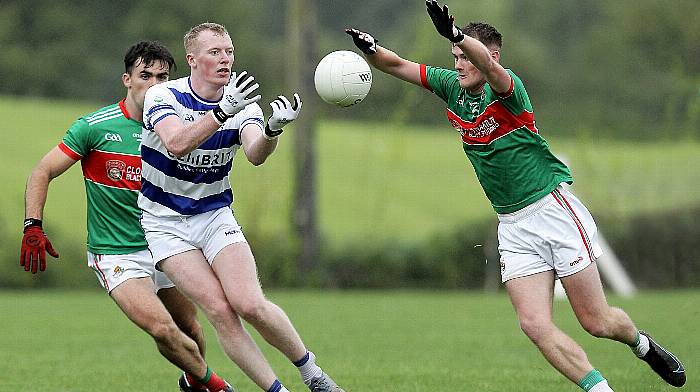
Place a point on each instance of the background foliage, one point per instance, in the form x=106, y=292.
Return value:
x=622, y=68
x=614, y=86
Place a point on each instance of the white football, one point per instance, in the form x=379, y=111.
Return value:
x=343, y=78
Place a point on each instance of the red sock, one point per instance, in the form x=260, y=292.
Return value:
x=213, y=382
x=193, y=381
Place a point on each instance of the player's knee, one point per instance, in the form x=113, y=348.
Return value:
x=535, y=328
x=254, y=311
x=163, y=331
x=596, y=326
x=219, y=312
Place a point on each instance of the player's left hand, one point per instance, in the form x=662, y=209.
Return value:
x=283, y=112
x=35, y=244
x=443, y=21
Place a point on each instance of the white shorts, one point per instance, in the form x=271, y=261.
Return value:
x=209, y=231
x=554, y=233
x=113, y=270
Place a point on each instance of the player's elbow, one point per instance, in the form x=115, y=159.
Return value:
x=257, y=160
x=177, y=146
x=178, y=150
x=40, y=173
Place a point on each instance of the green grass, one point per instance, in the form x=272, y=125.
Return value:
x=369, y=341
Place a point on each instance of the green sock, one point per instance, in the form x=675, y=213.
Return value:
x=590, y=380
x=637, y=341
x=207, y=376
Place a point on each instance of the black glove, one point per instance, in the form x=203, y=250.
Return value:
x=443, y=21
x=365, y=42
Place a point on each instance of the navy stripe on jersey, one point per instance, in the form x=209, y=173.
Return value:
x=189, y=101
x=156, y=108
x=258, y=121
x=185, y=205
x=150, y=127
x=183, y=171
x=224, y=138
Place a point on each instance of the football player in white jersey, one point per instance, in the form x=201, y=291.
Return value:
x=117, y=250
x=193, y=128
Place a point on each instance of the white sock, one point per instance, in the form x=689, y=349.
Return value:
x=601, y=387
x=284, y=389
x=642, y=348
x=308, y=368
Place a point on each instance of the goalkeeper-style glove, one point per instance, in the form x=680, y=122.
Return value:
x=35, y=244
x=235, y=97
x=443, y=21
x=365, y=42
x=283, y=112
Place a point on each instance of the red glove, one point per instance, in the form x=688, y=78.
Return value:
x=34, y=248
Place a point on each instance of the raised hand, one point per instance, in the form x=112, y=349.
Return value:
x=283, y=112
x=443, y=21
x=365, y=42
x=236, y=97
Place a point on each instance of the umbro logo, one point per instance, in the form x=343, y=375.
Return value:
x=578, y=260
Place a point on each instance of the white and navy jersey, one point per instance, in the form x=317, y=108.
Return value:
x=197, y=182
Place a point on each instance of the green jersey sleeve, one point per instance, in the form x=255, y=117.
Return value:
x=77, y=138
x=516, y=99
x=443, y=82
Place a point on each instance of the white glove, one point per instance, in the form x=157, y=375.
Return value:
x=283, y=112
x=235, y=97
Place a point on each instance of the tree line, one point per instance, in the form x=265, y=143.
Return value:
x=595, y=68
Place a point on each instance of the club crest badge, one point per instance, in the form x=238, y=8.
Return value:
x=117, y=271
x=115, y=169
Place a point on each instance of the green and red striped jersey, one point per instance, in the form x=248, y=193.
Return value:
x=107, y=143
x=512, y=161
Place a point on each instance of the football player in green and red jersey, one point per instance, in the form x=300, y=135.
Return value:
x=545, y=232
x=107, y=143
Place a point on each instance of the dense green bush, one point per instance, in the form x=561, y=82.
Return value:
x=661, y=250
x=658, y=250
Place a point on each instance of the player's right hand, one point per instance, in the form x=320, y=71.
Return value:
x=365, y=42
x=236, y=96
x=35, y=244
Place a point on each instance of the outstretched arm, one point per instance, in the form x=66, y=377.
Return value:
x=478, y=54
x=384, y=59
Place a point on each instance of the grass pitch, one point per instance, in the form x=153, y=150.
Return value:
x=368, y=341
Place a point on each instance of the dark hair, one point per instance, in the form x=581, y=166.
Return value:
x=484, y=32
x=148, y=52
